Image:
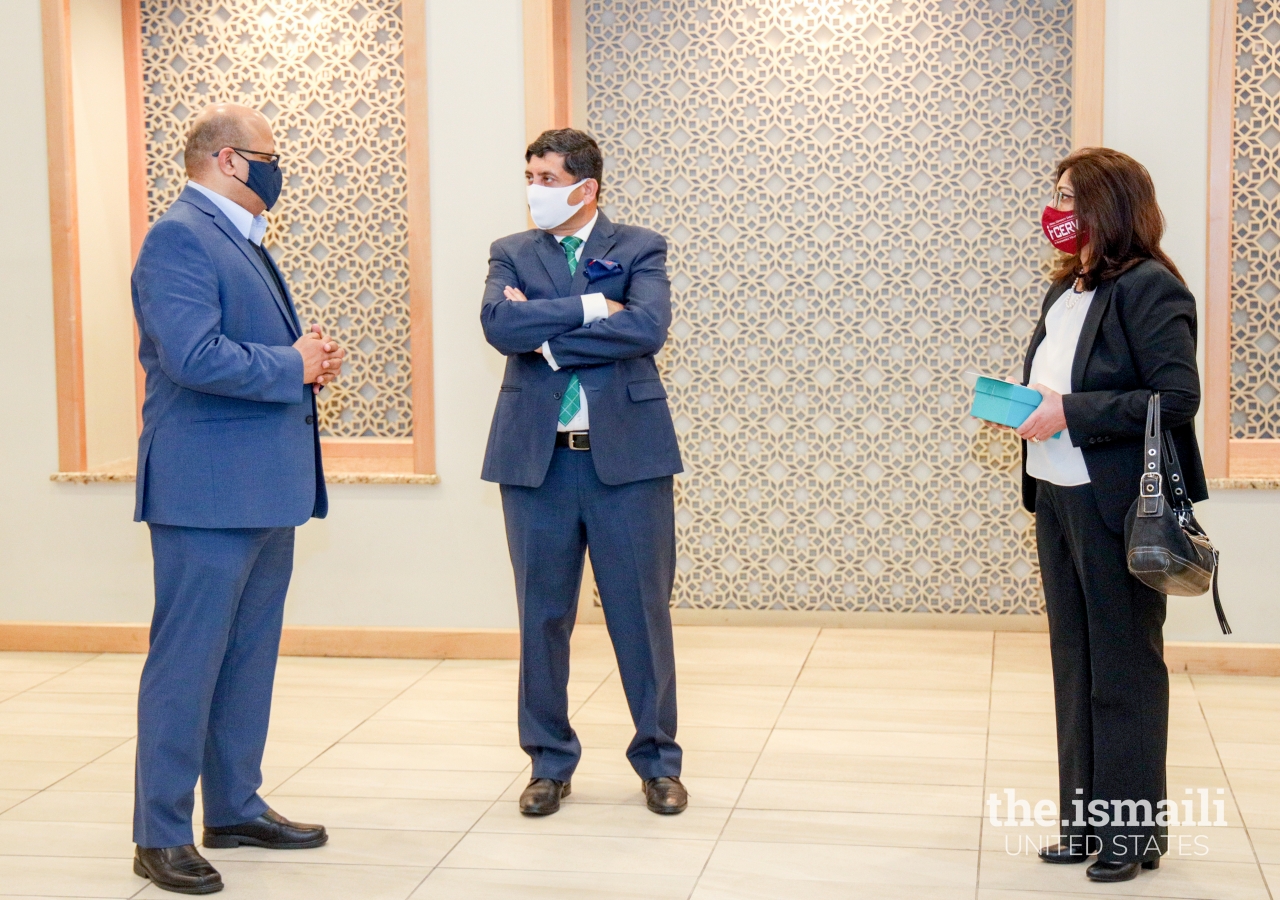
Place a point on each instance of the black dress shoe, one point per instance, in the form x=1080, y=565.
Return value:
x=542, y=796
x=179, y=869
x=666, y=796
x=270, y=830
x=1105, y=870
x=1063, y=854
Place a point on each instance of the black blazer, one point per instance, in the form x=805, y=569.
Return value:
x=1138, y=337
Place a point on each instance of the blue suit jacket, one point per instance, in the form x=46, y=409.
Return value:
x=229, y=436
x=632, y=437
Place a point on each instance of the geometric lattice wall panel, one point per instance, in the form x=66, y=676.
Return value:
x=851, y=191
x=1255, y=230
x=329, y=74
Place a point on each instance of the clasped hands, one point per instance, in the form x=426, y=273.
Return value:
x=321, y=358
x=515, y=295
x=1045, y=421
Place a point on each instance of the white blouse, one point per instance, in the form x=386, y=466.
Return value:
x=1055, y=460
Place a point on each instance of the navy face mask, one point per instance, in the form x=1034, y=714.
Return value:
x=265, y=178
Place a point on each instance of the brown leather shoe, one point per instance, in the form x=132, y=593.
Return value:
x=666, y=796
x=179, y=869
x=270, y=830
x=542, y=796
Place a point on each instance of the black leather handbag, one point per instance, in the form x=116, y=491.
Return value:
x=1168, y=551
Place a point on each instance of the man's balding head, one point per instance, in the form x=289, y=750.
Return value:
x=222, y=125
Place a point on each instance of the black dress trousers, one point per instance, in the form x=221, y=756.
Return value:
x=1110, y=682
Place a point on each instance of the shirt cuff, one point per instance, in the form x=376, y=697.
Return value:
x=594, y=308
x=546, y=354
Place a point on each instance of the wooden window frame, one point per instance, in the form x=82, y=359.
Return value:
x=346, y=458
x=1225, y=457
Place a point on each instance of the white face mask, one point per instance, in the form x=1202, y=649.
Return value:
x=550, y=206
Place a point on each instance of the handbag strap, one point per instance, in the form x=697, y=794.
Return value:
x=1217, y=602
x=1150, y=493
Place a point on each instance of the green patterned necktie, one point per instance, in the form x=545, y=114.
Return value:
x=571, y=402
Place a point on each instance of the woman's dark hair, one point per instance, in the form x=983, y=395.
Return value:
x=1115, y=203
x=582, y=157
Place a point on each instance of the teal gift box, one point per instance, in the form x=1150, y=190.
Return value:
x=1003, y=403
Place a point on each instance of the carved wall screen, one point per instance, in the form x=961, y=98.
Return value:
x=329, y=74
x=1255, y=223
x=851, y=191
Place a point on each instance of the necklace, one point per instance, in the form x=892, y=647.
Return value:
x=1074, y=295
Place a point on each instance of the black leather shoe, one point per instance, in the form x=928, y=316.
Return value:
x=270, y=830
x=1063, y=854
x=542, y=796
x=1104, y=870
x=666, y=796
x=179, y=869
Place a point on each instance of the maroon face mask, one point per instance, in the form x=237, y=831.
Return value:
x=1062, y=229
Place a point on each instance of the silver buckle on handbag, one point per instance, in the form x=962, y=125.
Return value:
x=1150, y=495
x=579, y=440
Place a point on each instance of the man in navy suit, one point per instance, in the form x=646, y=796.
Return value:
x=583, y=446
x=228, y=465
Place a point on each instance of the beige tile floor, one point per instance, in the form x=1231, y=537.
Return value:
x=822, y=765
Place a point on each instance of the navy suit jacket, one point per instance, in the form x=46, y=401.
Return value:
x=229, y=435
x=632, y=437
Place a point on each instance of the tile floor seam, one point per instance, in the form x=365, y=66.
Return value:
x=732, y=809
x=986, y=765
x=1266, y=884
x=350, y=731
x=519, y=776
x=50, y=786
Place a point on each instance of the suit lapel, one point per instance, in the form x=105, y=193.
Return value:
x=599, y=243
x=1088, y=333
x=242, y=244
x=288, y=294
x=553, y=260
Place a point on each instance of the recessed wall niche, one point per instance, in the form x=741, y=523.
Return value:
x=851, y=194
x=1255, y=224
x=329, y=74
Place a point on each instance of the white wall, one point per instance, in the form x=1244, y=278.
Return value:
x=1156, y=110
x=436, y=556
x=387, y=555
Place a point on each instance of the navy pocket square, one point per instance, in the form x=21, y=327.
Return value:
x=602, y=268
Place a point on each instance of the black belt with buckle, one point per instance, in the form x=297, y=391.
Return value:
x=574, y=440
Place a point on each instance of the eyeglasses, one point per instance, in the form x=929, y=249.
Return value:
x=272, y=158
x=1057, y=198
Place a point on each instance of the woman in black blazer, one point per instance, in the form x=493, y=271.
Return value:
x=1117, y=324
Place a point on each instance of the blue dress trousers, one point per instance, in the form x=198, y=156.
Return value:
x=228, y=465
x=615, y=498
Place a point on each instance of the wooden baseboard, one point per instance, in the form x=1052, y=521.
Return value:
x=777, y=618
x=1222, y=658
x=296, y=640
x=1191, y=657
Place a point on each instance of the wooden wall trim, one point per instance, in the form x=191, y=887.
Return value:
x=1222, y=658
x=296, y=640
x=136, y=135
x=420, y=331
x=562, y=63
x=1217, y=300
x=539, y=87
x=1254, y=458
x=1192, y=657
x=1088, y=73
x=548, y=65
x=64, y=234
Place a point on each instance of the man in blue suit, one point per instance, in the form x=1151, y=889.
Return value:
x=228, y=465
x=583, y=446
